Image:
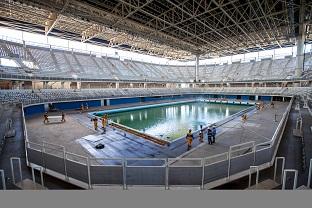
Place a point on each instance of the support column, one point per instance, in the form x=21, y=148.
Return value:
x=117, y=85
x=196, y=67
x=78, y=85
x=300, y=41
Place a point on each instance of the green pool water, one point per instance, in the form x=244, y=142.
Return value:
x=173, y=121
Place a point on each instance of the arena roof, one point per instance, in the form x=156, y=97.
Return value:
x=176, y=29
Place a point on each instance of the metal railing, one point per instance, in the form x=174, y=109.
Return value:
x=275, y=167
x=295, y=178
x=12, y=159
x=310, y=174
x=250, y=174
x=161, y=172
x=3, y=179
x=40, y=169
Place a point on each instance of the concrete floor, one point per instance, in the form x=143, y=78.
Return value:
x=259, y=127
x=64, y=134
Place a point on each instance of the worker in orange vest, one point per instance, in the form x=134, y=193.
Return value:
x=189, y=139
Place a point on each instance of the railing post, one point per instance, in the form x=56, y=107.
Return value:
x=124, y=167
x=257, y=175
x=25, y=135
x=89, y=174
x=203, y=173
x=275, y=167
x=229, y=163
x=3, y=179
x=167, y=174
x=310, y=174
x=65, y=168
x=295, y=178
x=12, y=169
x=43, y=150
x=255, y=150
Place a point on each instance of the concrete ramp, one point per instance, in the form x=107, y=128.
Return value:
x=268, y=184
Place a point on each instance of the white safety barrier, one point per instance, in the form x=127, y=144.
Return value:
x=275, y=167
x=295, y=178
x=239, y=148
x=3, y=179
x=33, y=168
x=257, y=175
x=19, y=167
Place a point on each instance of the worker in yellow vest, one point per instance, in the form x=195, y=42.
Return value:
x=95, y=123
x=189, y=139
x=104, y=122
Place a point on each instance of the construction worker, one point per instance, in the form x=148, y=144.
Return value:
x=209, y=134
x=63, y=117
x=81, y=108
x=201, y=134
x=104, y=122
x=261, y=106
x=95, y=123
x=189, y=139
x=214, y=132
x=86, y=106
x=45, y=118
x=244, y=118
x=272, y=104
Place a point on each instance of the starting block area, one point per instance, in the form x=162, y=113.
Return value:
x=55, y=119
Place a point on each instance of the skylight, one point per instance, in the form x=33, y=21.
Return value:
x=30, y=64
x=8, y=62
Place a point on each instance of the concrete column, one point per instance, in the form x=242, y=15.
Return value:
x=117, y=85
x=300, y=42
x=62, y=85
x=144, y=85
x=46, y=107
x=196, y=67
x=78, y=85
x=45, y=85
x=300, y=56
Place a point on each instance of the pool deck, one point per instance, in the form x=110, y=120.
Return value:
x=259, y=127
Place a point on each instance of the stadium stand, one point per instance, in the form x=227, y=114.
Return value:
x=50, y=95
x=50, y=62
